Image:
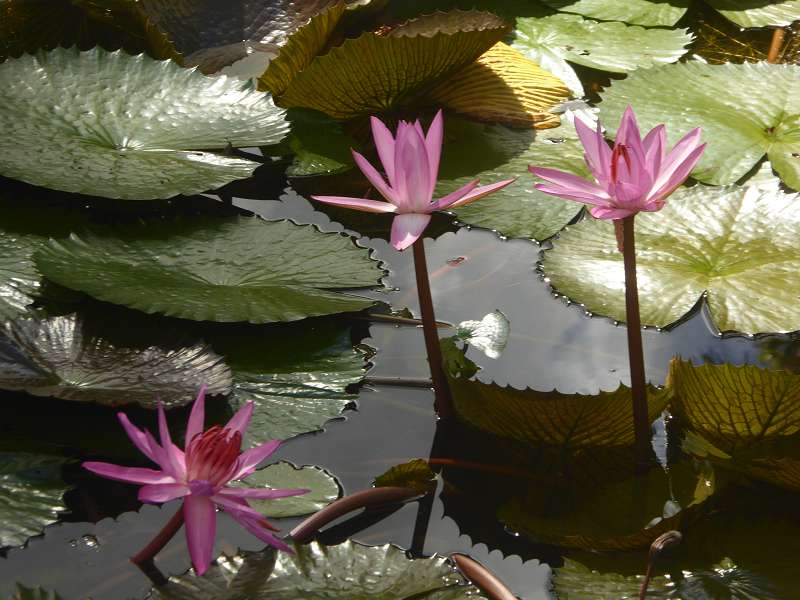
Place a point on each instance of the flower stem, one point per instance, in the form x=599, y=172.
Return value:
x=641, y=422
x=482, y=578
x=775, y=46
x=444, y=401
x=163, y=537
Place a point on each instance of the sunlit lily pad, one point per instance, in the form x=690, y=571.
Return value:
x=637, y=12
x=323, y=486
x=122, y=126
x=25, y=593
x=737, y=244
x=489, y=335
x=494, y=152
x=348, y=571
x=31, y=491
x=63, y=357
x=608, y=46
x=233, y=269
x=361, y=75
x=746, y=110
x=758, y=13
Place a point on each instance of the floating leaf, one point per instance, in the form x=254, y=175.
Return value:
x=19, y=278
x=322, y=484
x=63, y=357
x=493, y=153
x=489, y=335
x=637, y=12
x=737, y=244
x=320, y=144
x=31, y=491
x=415, y=474
x=348, y=571
x=25, y=593
x=233, y=269
x=503, y=86
x=121, y=126
x=745, y=110
x=608, y=46
x=375, y=73
x=758, y=13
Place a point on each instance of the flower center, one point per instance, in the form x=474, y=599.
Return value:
x=213, y=455
x=620, y=151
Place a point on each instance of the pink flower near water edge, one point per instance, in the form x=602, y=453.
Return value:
x=199, y=474
x=636, y=175
x=411, y=163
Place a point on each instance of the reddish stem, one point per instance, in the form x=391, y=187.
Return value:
x=641, y=421
x=483, y=578
x=444, y=400
x=163, y=537
x=775, y=45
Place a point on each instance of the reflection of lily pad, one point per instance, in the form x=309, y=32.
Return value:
x=348, y=571
x=737, y=244
x=638, y=12
x=415, y=474
x=322, y=484
x=31, y=491
x=234, y=269
x=745, y=110
x=121, y=126
x=62, y=357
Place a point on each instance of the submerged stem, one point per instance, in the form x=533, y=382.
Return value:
x=775, y=46
x=444, y=401
x=163, y=537
x=641, y=422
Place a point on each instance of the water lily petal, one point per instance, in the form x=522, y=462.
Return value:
x=201, y=529
x=433, y=144
x=384, y=143
x=482, y=191
x=236, y=504
x=571, y=183
x=597, y=152
x=685, y=147
x=196, y=418
x=257, y=528
x=162, y=492
x=262, y=494
x=172, y=457
x=407, y=228
x=362, y=204
x=241, y=419
x=679, y=174
x=140, y=438
x=568, y=194
x=445, y=202
x=375, y=178
x=250, y=459
x=414, y=169
x=607, y=212
x=128, y=474
x=655, y=143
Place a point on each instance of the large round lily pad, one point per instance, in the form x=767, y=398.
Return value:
x=121, y=126
x=758, y=13
x=638, y=12
x=233, y=269
x=745, y=111
x=736, y=244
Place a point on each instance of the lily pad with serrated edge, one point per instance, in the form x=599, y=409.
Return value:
x=31, y=495
x=62, y=357
x=348, y=571
x=735, y=244
x=205, y=269
x=121, y=126
x=758, y=13
x=745, y=111
x=636, y=12
x=376, y=73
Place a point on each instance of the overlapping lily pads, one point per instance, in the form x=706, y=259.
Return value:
x=62, y=357
x=638, y=12
x=122, y=126
x=227, y=269
x=746, y=111
x=348, y=571
x=735, y=244
x=757, y=13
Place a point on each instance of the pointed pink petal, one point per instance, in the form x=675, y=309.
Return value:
x=128, y=474
x=261, y=494
x=162, y=492
x=597, y=152
x=567, y=194
x=685, y=147
x=236, y=504
x=407, y=228
x=138, y=437
x=445, y=201
x=250, y=459
x=433, y=144
x=414, y=170
x=362, y=204
x=605, y=212
x=241, y=419
x=173, y=462
x=384, y=143
x=254, y=526
x=482, y=191
x=570, y=182
x=375, y=178
x=196, y=417
x=655, y=143
x=201, y=529
x=400, y=184
x=628, y=133
x=679, y=175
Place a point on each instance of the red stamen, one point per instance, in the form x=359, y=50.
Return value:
x=619, y=150
x=213, y=455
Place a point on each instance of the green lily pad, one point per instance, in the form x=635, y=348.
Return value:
x=205, y=269
x=575, y=581
x=31, y=495
x=735, y=244
x=121, y=126
x=320, y=144
x=415, y=474
x=65, y=358
x=361, y=75
x=494, y=152
x=609, y=46
x=757, y=13
x=637, y=12
x=348, y=571
x=323, y=486
x=25, y=593
x=745, y=110
x=489, y=335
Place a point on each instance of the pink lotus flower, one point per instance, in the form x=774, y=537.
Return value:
x=636, y=175
x=411, y=163
x=199, y=474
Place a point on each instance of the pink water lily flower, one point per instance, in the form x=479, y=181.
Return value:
x=200, y=474
x=411, y=164
x=636, y=175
